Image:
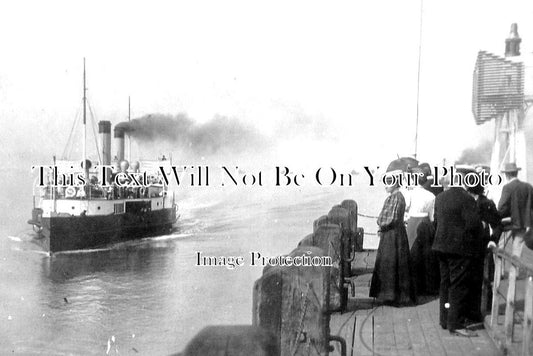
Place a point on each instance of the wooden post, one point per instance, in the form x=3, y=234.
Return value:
x=329, y=238
x=495, y=286
x=486, y=290
x=528, y=317
x=306, y=241
x=292, y=302
x=505, y=341
x=509, y=305
x=323, y=220
x=232, y=340
x=351, y=206
x=347, y=220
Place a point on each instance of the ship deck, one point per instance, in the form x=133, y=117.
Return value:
x=370, y=329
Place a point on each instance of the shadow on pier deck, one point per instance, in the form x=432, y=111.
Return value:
x=383, y=330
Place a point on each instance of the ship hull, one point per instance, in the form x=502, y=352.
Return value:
x=65, y=233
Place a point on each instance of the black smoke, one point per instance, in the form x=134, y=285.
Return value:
x=220, y=134
x=479, y=154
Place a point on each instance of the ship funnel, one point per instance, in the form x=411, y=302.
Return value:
x=104, y=129
x=512, y=43
x=119, y=139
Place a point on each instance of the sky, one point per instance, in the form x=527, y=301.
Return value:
x=322, y=79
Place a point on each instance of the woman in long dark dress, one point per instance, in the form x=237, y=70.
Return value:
x=392, y=278
x=421, y=233
x=424, y=260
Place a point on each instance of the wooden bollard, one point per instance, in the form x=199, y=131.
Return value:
x=348, y=220
x=323, y=220
x=292, y=302
x=358, y=233
x=306, y=241
x=330, y=238
x=232, y=340
x=336, y=293
x=359, y=238
x=351, y=206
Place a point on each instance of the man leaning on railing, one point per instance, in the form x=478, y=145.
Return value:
x=515, y=207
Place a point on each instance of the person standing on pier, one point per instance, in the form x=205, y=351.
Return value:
x=421, y=234
x=516, y=203
x=392, y=278
x=420, y=206
x=490, y=219
x=430, y=180
x=457, y=242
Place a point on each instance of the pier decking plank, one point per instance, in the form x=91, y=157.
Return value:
x=405, y=331
x=430, y=332
x=388, y=331
x=384, y=338
x=343, y=325
x=363, y=333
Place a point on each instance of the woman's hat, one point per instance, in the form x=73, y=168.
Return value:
x=391, y=176
x=394, y=172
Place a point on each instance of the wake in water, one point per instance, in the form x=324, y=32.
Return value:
x=15, y=238
x=25, y=241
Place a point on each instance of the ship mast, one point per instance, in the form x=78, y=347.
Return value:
x=418, y=77
x=85, y=165
x=129, y=138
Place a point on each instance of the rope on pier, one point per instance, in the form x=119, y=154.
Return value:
x=361, y=338
x=367, y=216
x=345, y=323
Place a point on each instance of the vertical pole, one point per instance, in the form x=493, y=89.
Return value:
x=495, y=161
x=512, y=135
x=495, y=286
x=129, y=137
x=54, y=188
x=528, y=316
x=485, y=289
x=509, y=305
x=521, y=145
x=507, y=140
x=418, y=76
x=85, y=168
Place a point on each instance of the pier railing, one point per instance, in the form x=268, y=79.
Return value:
x=516, y=319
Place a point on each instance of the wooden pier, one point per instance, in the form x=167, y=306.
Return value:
x=302, y=311
x=404, y=331
x=383, y=330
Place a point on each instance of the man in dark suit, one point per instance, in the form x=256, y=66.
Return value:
x=457, y=243
x=516, y=203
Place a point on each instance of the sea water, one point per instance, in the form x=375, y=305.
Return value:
x=149, y=296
